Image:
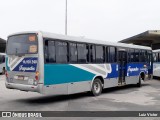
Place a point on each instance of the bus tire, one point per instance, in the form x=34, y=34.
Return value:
x=139, y=83
x=96, y=87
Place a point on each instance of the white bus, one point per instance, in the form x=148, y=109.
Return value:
x=57, y=64
x=2, y=63
x=156, y=63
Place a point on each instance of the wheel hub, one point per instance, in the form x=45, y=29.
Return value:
x=97, y=87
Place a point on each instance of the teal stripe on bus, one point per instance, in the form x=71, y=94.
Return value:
x=64, y=73
x=7, y=68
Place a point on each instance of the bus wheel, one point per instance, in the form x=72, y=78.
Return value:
x=139, y=83
x=96, y=87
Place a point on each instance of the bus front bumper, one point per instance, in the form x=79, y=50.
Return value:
x=23, y=87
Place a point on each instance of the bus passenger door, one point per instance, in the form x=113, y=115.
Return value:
x=122, y=60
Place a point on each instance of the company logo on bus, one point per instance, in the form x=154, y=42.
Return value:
x=28, y=64
x=21, y=68
x=132, y=69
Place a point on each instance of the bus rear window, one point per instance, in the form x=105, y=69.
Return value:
x=22, y=44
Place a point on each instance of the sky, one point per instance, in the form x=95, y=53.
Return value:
x=109, y=20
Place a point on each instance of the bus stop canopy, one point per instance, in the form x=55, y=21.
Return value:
x=149, y=38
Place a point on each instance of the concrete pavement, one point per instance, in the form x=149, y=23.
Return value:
x=127, y=98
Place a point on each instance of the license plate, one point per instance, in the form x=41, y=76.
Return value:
x=20, y=77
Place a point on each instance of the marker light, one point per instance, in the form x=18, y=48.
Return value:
x=145, y=66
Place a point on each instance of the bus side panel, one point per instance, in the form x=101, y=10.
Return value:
x=156, y=69
x=132, y=79
x=112, y=78
x=109, y=72
x=133, y=71
x=110, y=82
x=65, y=78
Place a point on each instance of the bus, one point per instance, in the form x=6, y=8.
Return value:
x=56, y=64
x=156, y=63
x=2, y=63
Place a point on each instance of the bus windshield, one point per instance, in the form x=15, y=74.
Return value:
x=22, y=44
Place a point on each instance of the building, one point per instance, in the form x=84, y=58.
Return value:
x=149, y=38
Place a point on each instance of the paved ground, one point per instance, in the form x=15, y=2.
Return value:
x=128, y=98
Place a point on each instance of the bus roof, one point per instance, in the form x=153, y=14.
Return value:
x=84, y=40
x=158, y=50
x=2, y=54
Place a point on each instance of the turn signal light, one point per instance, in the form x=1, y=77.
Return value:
x=6, y=74
x=37, y=75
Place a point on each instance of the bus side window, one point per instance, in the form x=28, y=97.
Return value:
x=132, y=55
x=146, y=56
x=0, y=59
x=154, y=57
x=128, y=55
x=82, y=53
x=46, y=51
x=142, y=56
x=112, y=54
x=150, y=57
x=107, y=53
x=158, y=59
x=87, y=52
x=104, y=54
x=61, y=52
x=50, y=51
x=92, y=54
x=99, y=54
x=136, y=55
x=73, y=52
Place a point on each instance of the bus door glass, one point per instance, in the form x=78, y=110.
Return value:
x=122, y=59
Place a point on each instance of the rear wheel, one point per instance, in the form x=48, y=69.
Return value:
x=96, y=87
x=139, y=83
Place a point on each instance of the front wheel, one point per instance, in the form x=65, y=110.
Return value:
x=96, y=87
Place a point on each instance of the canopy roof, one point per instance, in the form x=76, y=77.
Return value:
x=147, y=38
x=2, y=40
